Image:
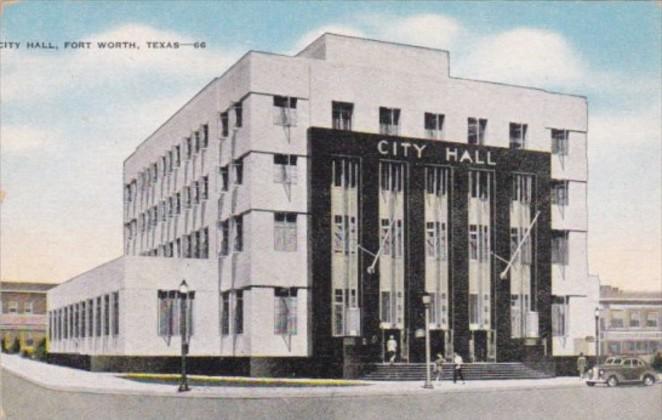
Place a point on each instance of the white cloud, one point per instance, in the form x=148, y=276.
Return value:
x=526, y=56
x=19, y=139
x=427, y=30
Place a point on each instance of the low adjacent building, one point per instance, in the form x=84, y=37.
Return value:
x=630, y=322
x=23, y=312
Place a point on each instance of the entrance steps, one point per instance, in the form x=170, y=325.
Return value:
x=471, y=371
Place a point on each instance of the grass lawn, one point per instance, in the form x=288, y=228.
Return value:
x=236, y=381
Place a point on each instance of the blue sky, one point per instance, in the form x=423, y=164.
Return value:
x=69, y=118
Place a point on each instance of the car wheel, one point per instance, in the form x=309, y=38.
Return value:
x=612, y=381
x=590, y=383
x=649, y=380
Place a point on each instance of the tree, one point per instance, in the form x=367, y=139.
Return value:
x=16, y=346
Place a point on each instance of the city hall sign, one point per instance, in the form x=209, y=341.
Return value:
x=450, y=153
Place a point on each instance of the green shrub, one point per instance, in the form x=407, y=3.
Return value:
x=16, y=346
x=657, y=362
x=27, y=352
x=5, y=344
x=40, y=351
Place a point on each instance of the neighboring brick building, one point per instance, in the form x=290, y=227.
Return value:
x=23, y=311
x=630, y=322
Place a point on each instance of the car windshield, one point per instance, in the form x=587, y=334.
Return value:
x=613, y=361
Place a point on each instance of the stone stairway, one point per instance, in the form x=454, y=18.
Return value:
x=471, y=371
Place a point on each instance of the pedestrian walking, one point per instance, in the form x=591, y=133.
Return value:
x=581, y=365
x=391, y=349
x=439, y=366
x=457, y=368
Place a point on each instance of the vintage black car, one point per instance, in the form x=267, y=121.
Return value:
x=621, y=369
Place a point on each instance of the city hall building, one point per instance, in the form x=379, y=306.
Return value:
x=310, y=201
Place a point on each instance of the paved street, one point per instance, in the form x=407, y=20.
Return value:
x=25, y=400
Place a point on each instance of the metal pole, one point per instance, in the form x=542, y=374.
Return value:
x=597, y=337
x=428, y=381
x=183, y=318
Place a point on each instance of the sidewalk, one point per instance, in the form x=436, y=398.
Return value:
x=69, y=379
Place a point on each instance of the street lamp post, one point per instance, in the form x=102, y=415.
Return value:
x=183, y=320
x=597, y=335
x=426, y=302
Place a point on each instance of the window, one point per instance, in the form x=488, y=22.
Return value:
x=204, y=243
x=195, y=190
x=344, y=234
x=436, y=180
x=76, y=328
x=170, y=161
x=225, y=178
x=285, y=232
x=238, y=165
x=480, y=183
x=186, y=242
x=651, y=319
x=522, y=188
x=195, y=240
x=204, y=187
x=238, y=233
x=559, y=319
x=386, y=306
x=83, y=315
x=635, y=319
x=616, y=319
x=391, y=176
x=559, y=247
x=170, y=313
x=98, y=318
x=238, y=115
x=239, y=312
x=479, y=242
x=28, y=307
x=517, y=136
x=90, y=317
x=435, y=240
x=473, y=242
x=474, y=310
x=116, y=313
x=285, y=110
x=178, y=203
x=516, y=236
x=285, y=169
x=225, y=124
x=476, y=128
x=12, y=307
x=389, y=121
x=225, y=313
x=560, y=142
x=559, y=193
x=204, y=136
x=285, y=311
x=187, y=197
x=106, y=315
x=162, y=210
x=345, y=172
x=178, y=155
x=225, y=237
x=188, y=144
x=341, y=115
x=434, y=125
x=155, y=172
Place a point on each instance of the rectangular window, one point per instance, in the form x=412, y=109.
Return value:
x=436, y=180
x=239, y=312
x=285, y=232
x=558, y=319
x=476, y=128
x=76, y=312
x=344, y=234
x=225, y=313
x=28, y=307
x=238, y=114
x=285, y=311
x=341, y=115
x=389, y=121
x=178, y=155
x=225, y=238
x=345, y=173
x=188, y=145
x=560, y=142
x=195, y=190
x=83, y=315
x=473, y=242
x=560, y=247
x=225, y=178
x=559, y=193
x=516, y=236
x=616, y=319
x=386, y=310
x=204, y=136
x=285, y=110
x=434, y=125
x=170, y=161
x=196, y=141
x=188, y=198
x=195, y=239
x=106, y=315
x=225, y=124
x=178, y=203
x=204, y=187
x=435, y=240
x=522, y=188
x=238, y=165
x=473, y=309
x=90, y=317
x=391, y=176
x=238, y=233
x=97, y=319
x=480, y=183
x=285, y=169
x=635, y=319
x=204, y=243
x=186, y=246
x=170, y=313
x=651, y=319
x=518, y=136
x=116, y=313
